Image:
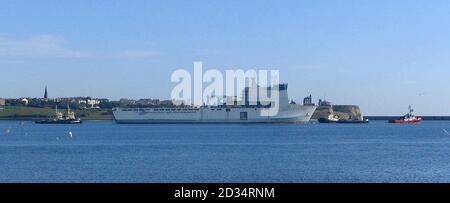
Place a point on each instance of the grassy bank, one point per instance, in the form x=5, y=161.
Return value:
x=39, y=113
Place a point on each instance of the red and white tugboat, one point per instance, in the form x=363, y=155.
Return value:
x=408, y=118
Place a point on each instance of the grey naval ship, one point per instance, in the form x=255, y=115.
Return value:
x=289, y=111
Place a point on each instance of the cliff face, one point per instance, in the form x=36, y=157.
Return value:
x=347, y=112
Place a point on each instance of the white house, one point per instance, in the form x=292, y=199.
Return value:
x=90, y=103
x=24, y=101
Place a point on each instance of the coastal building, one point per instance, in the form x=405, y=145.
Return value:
x=148, y=102
x=89, y=103
x=64, y=100
x=178, y=102
x=2, y=103
x=127, y=102
x=24, y=101
x=166, y=103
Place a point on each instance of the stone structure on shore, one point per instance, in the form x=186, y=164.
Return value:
x=345, y=112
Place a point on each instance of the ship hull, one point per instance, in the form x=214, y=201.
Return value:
x=353, y=121
x=325, y=120
x=59, y=122
x=292, y=114
x=404, y=121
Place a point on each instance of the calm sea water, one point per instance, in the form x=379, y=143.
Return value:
x=108, y=152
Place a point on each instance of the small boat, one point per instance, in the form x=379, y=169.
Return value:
x=60, y=118
x=332, y=118
x=408, y=118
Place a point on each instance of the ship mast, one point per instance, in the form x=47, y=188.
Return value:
x=411, y=110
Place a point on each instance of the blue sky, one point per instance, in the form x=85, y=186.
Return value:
x=381, y=55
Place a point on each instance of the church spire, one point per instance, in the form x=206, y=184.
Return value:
x=45, y=94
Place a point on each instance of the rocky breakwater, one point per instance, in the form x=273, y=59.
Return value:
x=344, y=112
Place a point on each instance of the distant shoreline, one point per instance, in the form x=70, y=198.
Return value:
x=34, y=113
x=371, y=118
